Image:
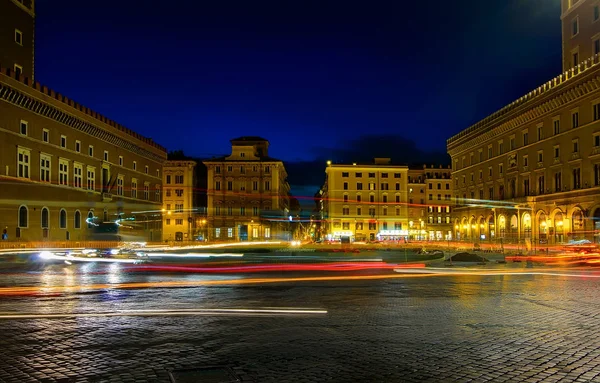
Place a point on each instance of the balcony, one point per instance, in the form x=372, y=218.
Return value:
x=525, y=169
x=575, y=156
x=556, y=161
x=540, y=165
x=595, y=151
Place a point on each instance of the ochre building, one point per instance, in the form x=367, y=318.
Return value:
x=530, y=173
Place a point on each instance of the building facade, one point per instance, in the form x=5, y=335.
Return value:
x=430, y=203
x=248, y=193
x=179, y=209
x=67, y=172
x=580, y=31
x=365, y=202
x=17, y=36
x=531, y=171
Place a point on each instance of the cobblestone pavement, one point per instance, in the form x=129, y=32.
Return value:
x=432, y=329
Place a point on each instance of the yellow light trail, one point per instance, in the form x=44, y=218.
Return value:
x=403, y=274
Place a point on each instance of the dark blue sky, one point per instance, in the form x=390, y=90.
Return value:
x=310, y=76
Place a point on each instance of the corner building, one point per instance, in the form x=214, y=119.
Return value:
x=429, y=204
x=248, y=193
x=179, y=211
x=365, y=201
x=67, y=172
x=531, y=171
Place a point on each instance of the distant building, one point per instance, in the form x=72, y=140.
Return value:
x=179, y=210
x=17, y=36
x=67, y=172
x=248, y=193
x=430, y=203
x=530, y=172
x=365, y=201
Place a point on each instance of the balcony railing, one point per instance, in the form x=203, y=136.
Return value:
x=574, y=156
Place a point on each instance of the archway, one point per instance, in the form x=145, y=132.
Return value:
x=577, y=225
x=514, y=228
x=542, y=227
x=527, y=226
x=491, y=227
x=502, y=226
x=473, y=228
x=482, y=230
x=559, y=229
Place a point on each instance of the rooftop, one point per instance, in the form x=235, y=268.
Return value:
x=249, y=139
x=35, y=85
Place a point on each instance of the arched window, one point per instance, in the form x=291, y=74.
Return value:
x=90, y=219
x=23, y=216
x=45, y=218
x=77, y=223
x=62, y=220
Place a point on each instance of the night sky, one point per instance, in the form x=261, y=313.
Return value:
x=337, y=80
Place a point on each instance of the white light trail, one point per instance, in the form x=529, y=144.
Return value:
x=180, y=312
x=195, y=255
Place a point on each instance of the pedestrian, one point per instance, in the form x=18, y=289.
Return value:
x=4, y=235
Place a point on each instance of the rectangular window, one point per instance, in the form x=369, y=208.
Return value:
x=575, y=26
x=229, y=210
x=345, y=185
x=179, y=179
x=242, y=170
x=512, y=143
x=229, y=185
x=217, y=210
x=358, y=175
x=78, y=175
x=371, y=175
x=596, y=12
x=91, y=151
x=18, y=70
x=217, y=170
x=372, y=211
x=397, y=199
x=384, y=175
x=557, y=181
x=500, y=169
x=540, y=133
x=179, y=192
x=345, y=174
x=596, y=43
x=346, y=211
x=596, y=174
x=63, y=141
x=45, y=168
x=541, y=185
x=133, y=188
x=480, y=155
x=490, y=153
x=135, y=168
x=23, y=127
x=121, y=182
x=575, y=58
x=46, y=135
x=146, y=192
x=168, y=222
x=267, y=232
x=242, y=210
x=372, y=186
x=168, y=192
x=121, y=160
x=18, y=37
x=525, y=161
x=358, y=198
x=501, y=147
x=255, y=211
x=91, y=178
x=556, y=125
x=597, y=140
x=526, y=187
x=576, y=178
x=168, y=179
x=230, y=168
x=575, y=146
x=397, y=186
x=179, y=221
x=575, y=120
x=491, y=193
x=385, y=186
x=540, y=156
x=63, y=172
x=106, y=156
x=359, y=186
x=371, y=198
x=255, y=185
x=358, y=211
x=267, y=185
x=397, y=175
x=557, y=151
x=525, y=138
x=267, y=169
x=372, y=226
x=146, y=169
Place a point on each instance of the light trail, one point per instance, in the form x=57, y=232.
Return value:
x=179, y=312
x=195, y=255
